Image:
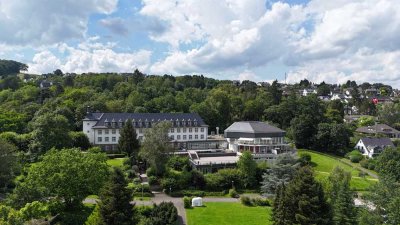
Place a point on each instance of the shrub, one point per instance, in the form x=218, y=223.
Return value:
x=187, y=202
x=305, y=159
x=364, y=163
x=223, y=179
x=113, y=156
x=246, y=201
x=233, y=193
x=356, y=158
x=152, y=180
x=178, y=163
x=151, y=172
x=362, y=174
x=261, y=202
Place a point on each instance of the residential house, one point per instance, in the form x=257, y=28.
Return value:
x=379, y=129
x=309, y=91
x=372, y=147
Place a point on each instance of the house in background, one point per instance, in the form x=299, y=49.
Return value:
x=372, y=147
x=379, y=129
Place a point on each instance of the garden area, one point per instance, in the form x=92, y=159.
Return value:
x=226, y=213
x=323, y=165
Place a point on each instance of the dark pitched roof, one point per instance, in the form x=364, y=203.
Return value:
x=378, y=128
x=377, y=142
x=143, y=117
x=252, y=129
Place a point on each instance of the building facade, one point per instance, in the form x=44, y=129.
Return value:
x=372, y=147
x=103, y=129
x=265, y=142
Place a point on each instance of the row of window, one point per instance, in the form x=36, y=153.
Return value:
x=113, y=131
x=178, y=130
x=106, y=139
x=140, y=131
x=178, y=137
x=149, y=124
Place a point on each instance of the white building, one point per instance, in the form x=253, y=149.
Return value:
x=103, y=129
x=372, y=147
x=266, y=142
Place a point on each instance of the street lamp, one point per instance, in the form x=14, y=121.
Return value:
x=170, y=190
x=233, y=187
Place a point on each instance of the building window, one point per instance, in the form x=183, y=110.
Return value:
x=113, y=139
x=190, y=137
x=196, y=129
x=106, y=131
x=107, y=148
x=106, y=139
x=184, y=130
x=99, y=139
x=196, y=136
x=88, y=131
x=202, y=129
x=113, y=131
x=202, y=136
x=184, y=137
x=88, y=124
x=171, y=137
x=178, y=137
x=140, y=131
x=100, y=131
x=190, y=130
x=172, y=130
x=178, y=130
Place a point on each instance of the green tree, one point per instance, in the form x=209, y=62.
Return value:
x=8, y=162
x=95, y=217
x=50, y=130
x=276, y=92
x=341, y=197
x=248, y=168
x=156, y=147
x=79, y=140
x=128, y=141
x=303, y=200
x=282, y=172
x=115, y=207
x=66, y=175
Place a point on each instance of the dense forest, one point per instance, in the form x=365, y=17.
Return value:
x=29, y=110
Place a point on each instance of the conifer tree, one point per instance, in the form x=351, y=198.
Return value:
x=128, y=141
x=115, y=207
x=341, y=197
x=302, y=202
x=248, y=169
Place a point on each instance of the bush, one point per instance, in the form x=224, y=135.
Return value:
x=152, y=180
x=187, y=202
x=151, y=172
x=233, y=193
x=305, y=159
x=261, y=202
x=246, y=201
x=178, y=163
x=223, y=179
x=362, y=174
x=356, y=158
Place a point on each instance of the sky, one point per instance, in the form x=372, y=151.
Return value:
x=259, y=40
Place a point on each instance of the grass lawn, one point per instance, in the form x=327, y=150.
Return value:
x=323, y=165
x=227, y=213
x=117, y=162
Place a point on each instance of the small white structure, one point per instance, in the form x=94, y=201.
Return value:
x=197, y=202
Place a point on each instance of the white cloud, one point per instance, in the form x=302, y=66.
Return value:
x=90, y=56
x=44, y=22
x=115, y=25
x=233, y=37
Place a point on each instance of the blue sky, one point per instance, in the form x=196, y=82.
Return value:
x=260, y=40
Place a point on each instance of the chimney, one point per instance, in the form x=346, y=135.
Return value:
x=87, y=109
x=217, y=128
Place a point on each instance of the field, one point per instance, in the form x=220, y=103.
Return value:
x=226, y=213
x=323, y=165
x=117, y=162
